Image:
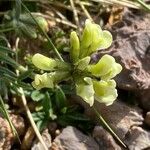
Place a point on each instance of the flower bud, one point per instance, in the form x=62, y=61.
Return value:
x=42, y=23
x=75, y=46
x=43, y=62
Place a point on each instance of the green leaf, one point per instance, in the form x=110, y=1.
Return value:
x=4, y=70
x=6, y=49
x=106, y=68
x=60, y=98
x=37, y=96
x=76, y=119
x=27, y=20
x=17, y=10
x=41, y=124
x=8, y=60
x=38, y=116
x=25, y=75
x=84, y=89
x=105, y=91
x=75, y=47
x=47, y=107
x=26, y=30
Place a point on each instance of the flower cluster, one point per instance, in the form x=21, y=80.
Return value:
x=92, y=81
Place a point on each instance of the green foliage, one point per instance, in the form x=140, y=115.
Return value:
x=91, y=80
x=22, y=23
x=74, y=116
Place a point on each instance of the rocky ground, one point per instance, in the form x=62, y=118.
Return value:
x=129, y=116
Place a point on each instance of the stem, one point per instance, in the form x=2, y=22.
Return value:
x=75, y=14
x=143, y=4
x=44, y=33
x=6, y=30
x=85, y=11
x=31, y=119
x=126, y=3
x=109, y=128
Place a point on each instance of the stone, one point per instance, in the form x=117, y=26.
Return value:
x=147, y=118
x=144, y=99
x=47, y=139
x=120, y=116
x=73, y=139
x=131, y=48
x=7, y=138
x=104, y=139
x=138, y=139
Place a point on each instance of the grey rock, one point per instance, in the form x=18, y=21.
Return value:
x=144, y=99
x=147, y=119
x=72, y=139
x=7, y=138
x=131, y=48
x=47, y=139
x=104, y=139
x=138, y=139
x=120, y=116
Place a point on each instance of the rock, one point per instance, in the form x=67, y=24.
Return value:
x=18, y=123
x=104, y=139
x=131, y=48
x=147, y=118
x=47, y=139
x=120, y=116
x=28, y=139
x=72, y=139
x=144, y=99
x=7, y=138
x=52, y=126
x=138, y=139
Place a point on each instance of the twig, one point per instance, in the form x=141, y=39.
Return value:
x=120, y=2
x=24, y=101
x=75, y=14
x=58, y=4
x=85, y=3
x=85, y=10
